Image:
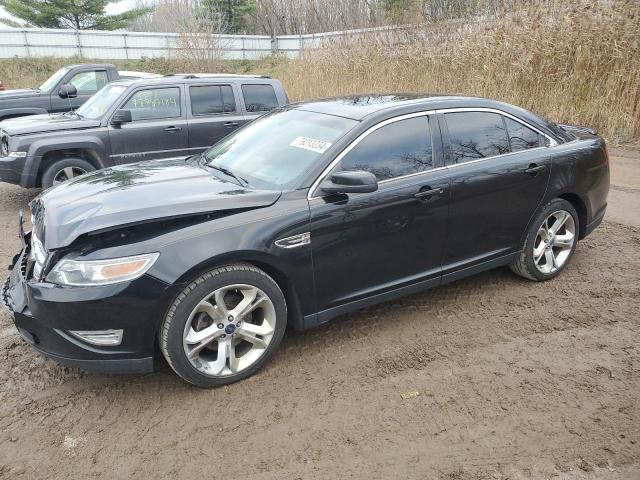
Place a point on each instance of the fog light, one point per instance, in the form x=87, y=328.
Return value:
x=99, y=337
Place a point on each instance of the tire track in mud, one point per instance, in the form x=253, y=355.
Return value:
x=515, y=378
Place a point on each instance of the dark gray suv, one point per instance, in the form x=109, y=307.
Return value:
x=132, y=120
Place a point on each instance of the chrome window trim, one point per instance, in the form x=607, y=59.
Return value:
x=552, y=142
x=325, y=172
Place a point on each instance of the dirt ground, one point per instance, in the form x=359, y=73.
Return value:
x=516, y=380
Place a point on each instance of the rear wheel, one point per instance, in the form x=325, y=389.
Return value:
x=224, y=326
x=550, y=242
x=65, y=169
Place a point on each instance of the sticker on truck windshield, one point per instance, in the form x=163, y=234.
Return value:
x=313, y=144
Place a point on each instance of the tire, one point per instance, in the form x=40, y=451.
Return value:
x=56, y=171
x=527, y=265
x=190, y=318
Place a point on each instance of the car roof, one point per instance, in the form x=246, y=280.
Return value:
x=366, y=106
x=132, y=73
x=90, y=65
x=195, y=78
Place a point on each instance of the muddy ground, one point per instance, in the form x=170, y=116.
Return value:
x=515, y=380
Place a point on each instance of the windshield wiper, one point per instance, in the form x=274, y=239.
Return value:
x=226, y=171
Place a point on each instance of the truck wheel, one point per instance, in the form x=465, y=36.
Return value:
x=224, y=325
x=65, y=169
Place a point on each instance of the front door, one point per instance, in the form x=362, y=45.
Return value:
x=213, y=114
x=373, y=243
x=158, y=128
x=499, y=172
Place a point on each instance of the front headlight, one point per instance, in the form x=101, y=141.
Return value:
x=84, y=273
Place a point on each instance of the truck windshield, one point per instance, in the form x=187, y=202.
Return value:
x=100, y=102
x=275, y=150
x=53, y=80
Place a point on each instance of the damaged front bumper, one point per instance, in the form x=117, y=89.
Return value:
x=45, y=315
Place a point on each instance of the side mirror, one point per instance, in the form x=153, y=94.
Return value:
x=67, y=91
x=355, y=181
x=121, y=116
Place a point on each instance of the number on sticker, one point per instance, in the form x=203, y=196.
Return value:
x=313, y=144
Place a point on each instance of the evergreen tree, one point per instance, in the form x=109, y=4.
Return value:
x=232, y=14
x=76, y=14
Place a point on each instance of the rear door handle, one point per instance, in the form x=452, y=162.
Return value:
x=172, y=129
x=430, y=192
x=231, y=124
x=533, y=169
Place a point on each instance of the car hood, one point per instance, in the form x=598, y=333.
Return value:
x=18, y=93
x=46, y=123
x=135, y=193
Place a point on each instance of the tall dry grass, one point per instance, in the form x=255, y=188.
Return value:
x=574, y=62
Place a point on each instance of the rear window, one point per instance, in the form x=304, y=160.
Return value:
x=212, y=99
x=476, y=135
x=522, y=137
x=259, y=98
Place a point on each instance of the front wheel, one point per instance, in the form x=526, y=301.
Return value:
x=224, y=326
x=65, y=169
x=550, y=243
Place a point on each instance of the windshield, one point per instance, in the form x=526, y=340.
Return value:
x=53, y=80
x=99, y=103
x=275, y=150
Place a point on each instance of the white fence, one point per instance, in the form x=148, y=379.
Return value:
x=40, y=42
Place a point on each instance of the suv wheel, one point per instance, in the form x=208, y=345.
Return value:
x=65, y=169
x=224, y=326
x=550, y=243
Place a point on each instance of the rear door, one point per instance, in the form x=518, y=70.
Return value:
x=158, y=128
x=499, y=173
x=213, y=113
x=87, y=82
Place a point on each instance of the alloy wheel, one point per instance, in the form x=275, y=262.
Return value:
x=554, y=242
x=67, y=173
x=229, y=330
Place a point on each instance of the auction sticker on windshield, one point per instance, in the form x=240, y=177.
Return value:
x=313, y=144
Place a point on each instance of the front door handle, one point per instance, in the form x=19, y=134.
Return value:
x=172, y=129
x=231, y=124
x=428, y=193
x=534, y=169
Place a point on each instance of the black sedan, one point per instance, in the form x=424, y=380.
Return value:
x=314, y=210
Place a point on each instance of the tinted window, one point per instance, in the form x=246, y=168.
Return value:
x=476, y=135
x=88, y=83
x=521, y=137
x=400, y=148
x=259, y=98
x=212, y=99
x=154, y=103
